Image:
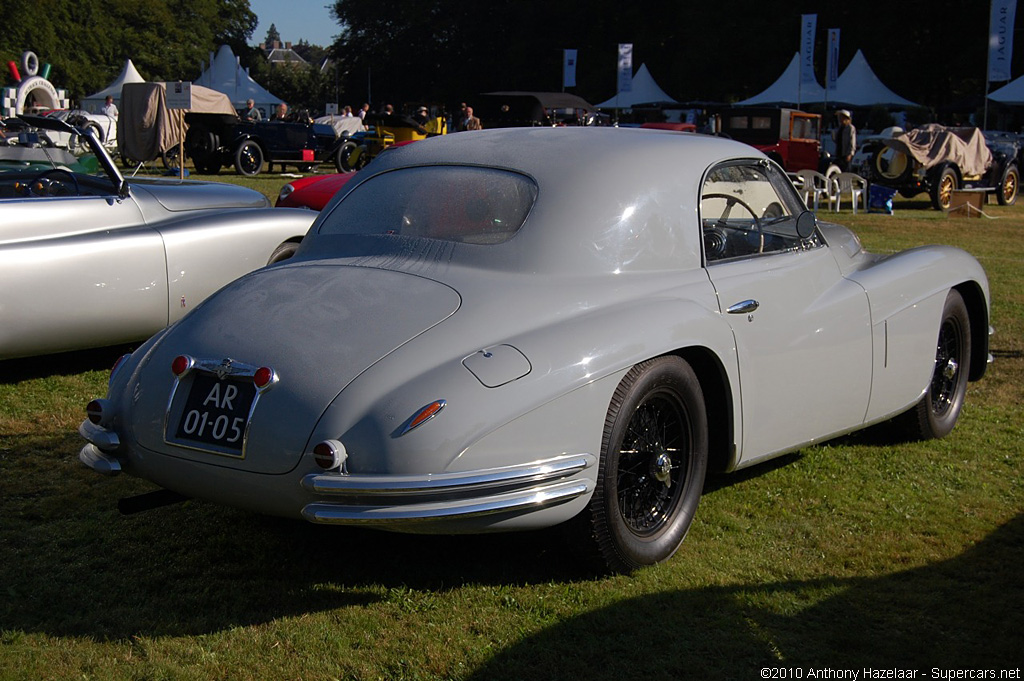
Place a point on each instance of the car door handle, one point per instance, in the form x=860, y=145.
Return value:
x=744, y=307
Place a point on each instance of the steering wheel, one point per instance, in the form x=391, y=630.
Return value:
x=730, y=201
x=41, y=183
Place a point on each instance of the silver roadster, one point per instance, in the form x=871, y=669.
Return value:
x=520, y=328
x=89, y=259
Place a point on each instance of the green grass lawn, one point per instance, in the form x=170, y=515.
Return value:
x=855, y=554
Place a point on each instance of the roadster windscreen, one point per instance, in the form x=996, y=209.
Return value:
x=452, y=203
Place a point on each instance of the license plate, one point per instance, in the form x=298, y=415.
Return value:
x=216, y=412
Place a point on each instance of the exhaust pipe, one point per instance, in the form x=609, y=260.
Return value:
x=148, y=501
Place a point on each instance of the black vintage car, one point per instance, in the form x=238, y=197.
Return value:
x=939, y=160
x=217, y=140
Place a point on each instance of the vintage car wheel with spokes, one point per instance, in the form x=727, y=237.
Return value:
x=249, y=158
x=653, y=461
x=1009, y=187
x=942, y=192
x=939, y=408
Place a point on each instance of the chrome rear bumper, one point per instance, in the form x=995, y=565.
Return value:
x=382, y=499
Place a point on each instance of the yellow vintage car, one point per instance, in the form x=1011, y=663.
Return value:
x=382, y=132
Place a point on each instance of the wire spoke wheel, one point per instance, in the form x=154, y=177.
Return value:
x=653, y=461
x=948, y=360
x=938, y=410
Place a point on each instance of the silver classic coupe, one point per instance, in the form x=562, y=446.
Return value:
x=89, y=258
x=520, y=328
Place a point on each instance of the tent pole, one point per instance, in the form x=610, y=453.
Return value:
x=988, y=71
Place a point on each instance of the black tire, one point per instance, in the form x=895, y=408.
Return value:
x=938, y=410
x=349, y=157
x=303, y=167
x=129, y=163
x=941, y=192
x=96, y=131
x=201, y=142
x=1009, y=186
x=248, y=158
x=653, y=462
x=283, y=252
x=76, y=144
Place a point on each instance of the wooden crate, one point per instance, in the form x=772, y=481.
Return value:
x=967, y=203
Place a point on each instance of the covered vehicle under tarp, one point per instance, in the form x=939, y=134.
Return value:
x=932, y=144
x=343, y=125
x=522, y=109
x=146, y=127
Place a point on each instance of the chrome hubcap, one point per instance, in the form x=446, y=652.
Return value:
x=949, y=371
x=662, y=469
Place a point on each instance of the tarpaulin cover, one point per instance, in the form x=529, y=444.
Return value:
x=146, y=127
x=932, y=144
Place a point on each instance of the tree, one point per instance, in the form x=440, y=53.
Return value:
x=450, y=50
x=87, y=41
x=272, y=36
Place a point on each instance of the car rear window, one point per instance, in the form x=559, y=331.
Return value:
x=452, y=203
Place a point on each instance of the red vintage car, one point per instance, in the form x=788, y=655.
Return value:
x=789, y=137
x=312, y=192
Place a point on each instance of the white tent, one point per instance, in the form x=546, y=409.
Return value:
x=644, y=90
x=858, y=85
x=225, y=74
x=1011, y=93
x=787, y=89
x=129, y=74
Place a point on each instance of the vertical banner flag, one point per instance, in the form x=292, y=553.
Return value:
x=808, y=23
x=832, y=60
x=568, y=68
x=1000, y=39
x=625, y=67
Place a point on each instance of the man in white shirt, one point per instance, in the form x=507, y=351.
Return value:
x=109, y=108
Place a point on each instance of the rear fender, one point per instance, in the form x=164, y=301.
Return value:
x=572, y=368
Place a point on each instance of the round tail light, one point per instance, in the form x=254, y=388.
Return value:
x=329, y=454
x=263, y=377
x=180, y=365
x=95, y=411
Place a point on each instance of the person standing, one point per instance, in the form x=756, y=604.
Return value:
x=845, y=137
x=472, y=122
x=109, y=108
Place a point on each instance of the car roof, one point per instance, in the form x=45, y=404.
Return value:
x=609, y=199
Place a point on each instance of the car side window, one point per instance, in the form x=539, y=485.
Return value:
x=748, y=208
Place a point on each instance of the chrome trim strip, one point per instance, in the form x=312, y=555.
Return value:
x=102, y=463
x=532, y=499
x=447, y=483
x=101, y=437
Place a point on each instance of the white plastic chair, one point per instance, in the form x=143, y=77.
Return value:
x=854, y=185
x=814, y=184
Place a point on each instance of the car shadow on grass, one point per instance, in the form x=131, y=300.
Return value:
x=65, y=363
x=74, y=566
x=963, y=613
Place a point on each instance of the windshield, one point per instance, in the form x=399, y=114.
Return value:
x=40, y=162
x=451, y=203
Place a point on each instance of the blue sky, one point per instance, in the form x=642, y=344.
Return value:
x=295, y=20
